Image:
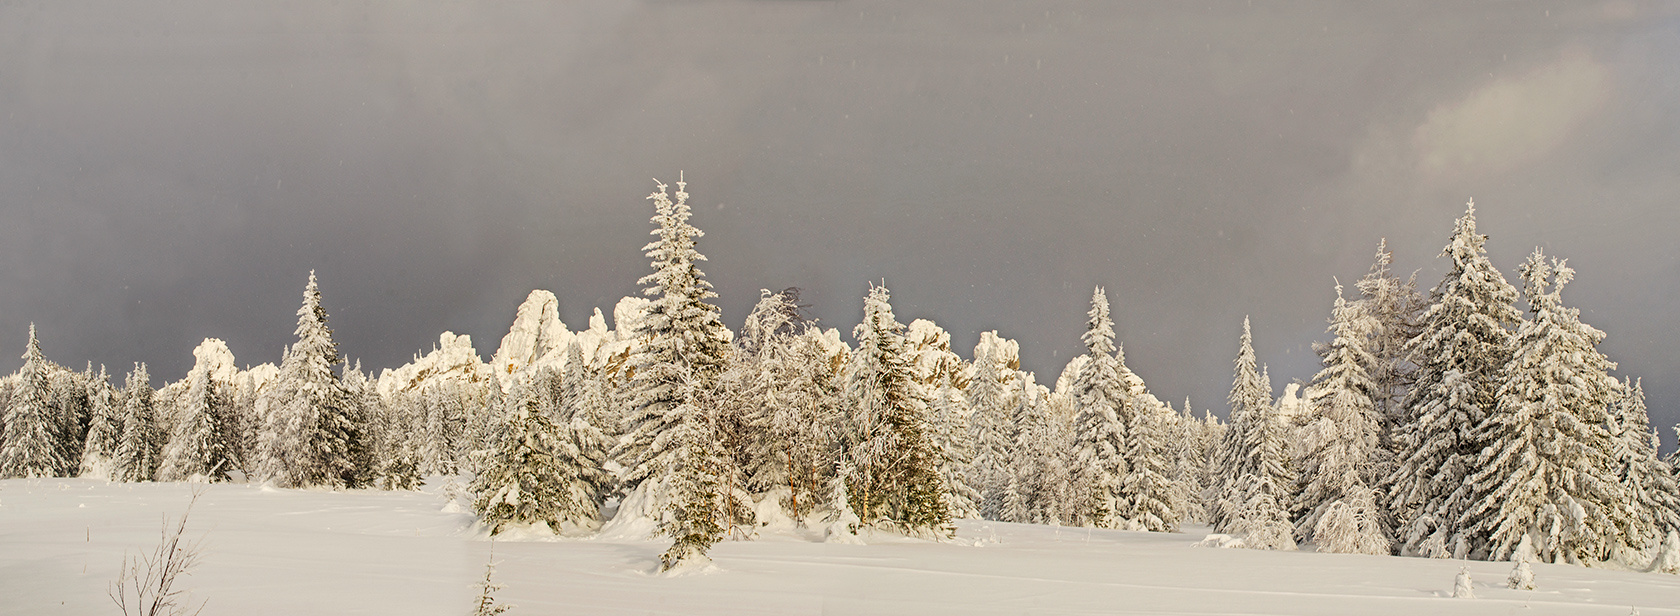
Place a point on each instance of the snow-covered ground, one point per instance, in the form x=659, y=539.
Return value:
x=366, y=552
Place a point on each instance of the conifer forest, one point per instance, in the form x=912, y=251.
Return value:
x=1473, y=419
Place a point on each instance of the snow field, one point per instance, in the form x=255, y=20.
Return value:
x=372, y=552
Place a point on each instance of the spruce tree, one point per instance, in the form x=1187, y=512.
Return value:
x=527, y=479
x=1343, y=439
x=843, y=523
x=401, y=463
x=684, y=350
x=1390, y=309
x=445, y=421
x=198, y=449
x=1653, y=493
x=69, y=405
x=671, y=453
x=989, y=409
x=137, y=452
x=1257, y=478
x=585, y=411
x=949, y=418
x=361, y=411
x=32, y=445
x=1100, y=398
x=1190, y=457
x=694, y=488
x=781, y=385
x=1460, y=351
x=893, y=455
x=1030, y=453
x=309, y=436
x=1545, y=469
x=1150, y=499
x=99, y=455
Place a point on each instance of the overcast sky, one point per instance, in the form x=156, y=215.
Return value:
x=171, y=171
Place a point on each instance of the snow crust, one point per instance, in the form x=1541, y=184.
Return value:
x=277, y=551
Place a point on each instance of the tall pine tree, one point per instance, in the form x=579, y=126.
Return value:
x=137, y=451
x=31, y=445
x=1253, y=462
x=1343, y=446
x=1460, y=352
x=988, y=425
x=99, y=454
x=198, y=449
x=308, y=434
x=1653, y=493
x=671, y=452
x=1100, y=398
x=1390, y=308
x=893, y=456
x=1545, y=471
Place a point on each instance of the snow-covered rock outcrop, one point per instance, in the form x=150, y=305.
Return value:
x=536, y=339
x=1292, y=405
x=452, y=359
x=213, y=356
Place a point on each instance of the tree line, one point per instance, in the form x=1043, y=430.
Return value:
x=1452, y=426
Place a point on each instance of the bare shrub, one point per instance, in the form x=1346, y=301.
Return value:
x=146, y=584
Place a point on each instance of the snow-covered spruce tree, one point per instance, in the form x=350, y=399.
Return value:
x=1213, y=447
x=1653, y=494
x=819, y=391
x=1150, y=499
x=527, y=479
x=1120, y=454
x=362, y=409
x=198, y=448
x=778, y=386
x=69, y=406
x=694, y=487
x=1189, y=451
x=445, y=421
x=399, y=425
x=308, y=435
x=989, y=408
x=894, y=457
x=99, y=454
x=1258, y=513
x=1342, y=443
x=843, y=523
x=949, y=417
x=1545, y=468
x=1100, y=398
x=486, y=423
x=1353, y=524
x=1460, y=352
x=1390, y=308
x=1254, y=468
x=244, y=423
x=31, y=447
x=670, y=452
x=1029, y=458
x=138, y=448
x=584, y=409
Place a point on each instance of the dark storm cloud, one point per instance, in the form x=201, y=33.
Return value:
x=171, y=170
